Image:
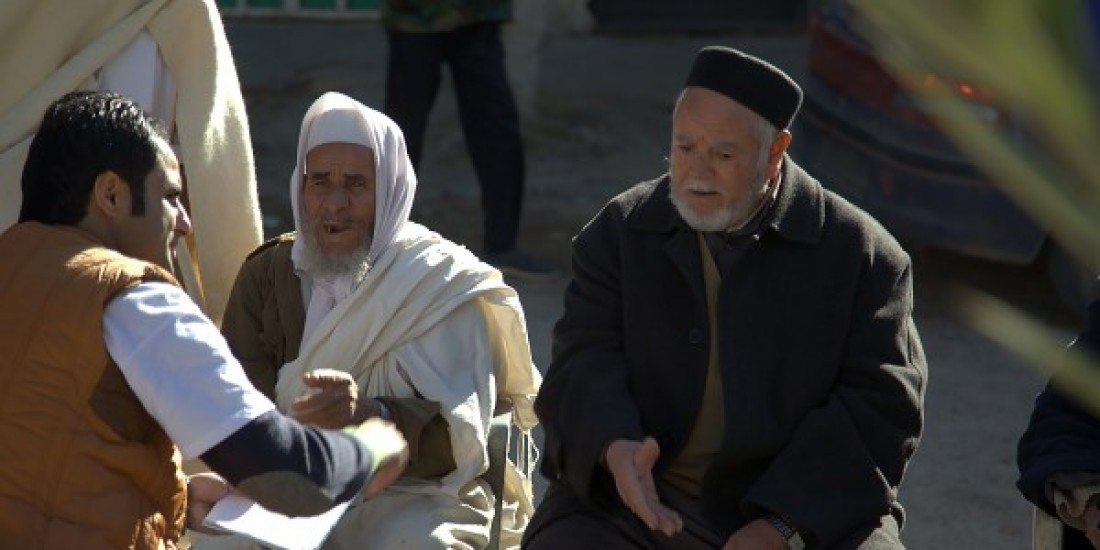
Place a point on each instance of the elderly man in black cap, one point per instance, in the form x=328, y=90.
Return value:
x=737, y=365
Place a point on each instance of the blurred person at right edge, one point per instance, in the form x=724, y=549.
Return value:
x=424, y=35
x=1059, y=453
x=737, y=366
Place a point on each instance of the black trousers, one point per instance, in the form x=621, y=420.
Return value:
x=486, y=106
x=618, y=527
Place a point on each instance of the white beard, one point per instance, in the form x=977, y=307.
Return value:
x=718, y=220
x=325, y=265
x=729, y=217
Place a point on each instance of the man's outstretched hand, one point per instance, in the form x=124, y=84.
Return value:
x=631, y=464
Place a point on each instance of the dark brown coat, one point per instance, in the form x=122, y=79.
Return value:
x=822, y=368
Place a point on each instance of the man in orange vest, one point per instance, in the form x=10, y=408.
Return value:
x=109, y=372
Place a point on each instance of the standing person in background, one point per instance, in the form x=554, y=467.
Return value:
x=109, y=372
x=424, y=35
x=173, y=58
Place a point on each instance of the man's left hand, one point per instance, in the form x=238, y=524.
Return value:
x=203, y=492
x=333, y=401
x=758, y=534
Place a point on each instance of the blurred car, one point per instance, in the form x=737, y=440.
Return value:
x=865, y=137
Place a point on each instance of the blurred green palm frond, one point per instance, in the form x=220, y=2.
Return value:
x=1073, y=372
x=1035, y=62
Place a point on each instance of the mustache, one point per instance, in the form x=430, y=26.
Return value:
x=342, y=220
x=700, y=185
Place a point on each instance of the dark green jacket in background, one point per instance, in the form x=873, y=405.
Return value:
x=424, y=16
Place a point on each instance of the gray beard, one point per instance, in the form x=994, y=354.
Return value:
x=325, y=265
x=715, y=221
x=725, y=219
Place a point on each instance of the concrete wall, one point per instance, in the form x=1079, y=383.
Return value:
x=533, y=22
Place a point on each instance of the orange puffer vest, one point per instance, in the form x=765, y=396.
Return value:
x=82, y=464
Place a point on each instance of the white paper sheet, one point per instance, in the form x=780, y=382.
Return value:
x=240, y=515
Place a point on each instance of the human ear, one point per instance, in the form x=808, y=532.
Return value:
x=779, y=145
x=776, y=151
x=109, y=193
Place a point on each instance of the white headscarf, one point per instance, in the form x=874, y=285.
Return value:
x=337, y=118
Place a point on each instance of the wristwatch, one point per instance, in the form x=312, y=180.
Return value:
x=790, y=534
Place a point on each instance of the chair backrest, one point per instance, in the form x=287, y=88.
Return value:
x=1046, y=531
x=499, y=441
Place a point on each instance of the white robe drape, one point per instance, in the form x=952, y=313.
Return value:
x=430, y=318
x=51, y=47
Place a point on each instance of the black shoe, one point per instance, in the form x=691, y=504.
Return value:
x=521, y=265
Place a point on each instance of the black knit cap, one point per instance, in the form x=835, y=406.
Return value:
x=750, y=81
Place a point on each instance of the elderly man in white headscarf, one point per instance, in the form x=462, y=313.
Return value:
x=363, y=313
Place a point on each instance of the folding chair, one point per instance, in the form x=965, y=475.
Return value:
x=1046, y=531
x=500, y=438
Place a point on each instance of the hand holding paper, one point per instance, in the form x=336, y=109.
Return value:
x=238, y=514
x=204, y=490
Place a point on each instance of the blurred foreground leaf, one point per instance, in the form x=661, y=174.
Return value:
x=1075, y=374
x=1036, y=62
x=1033, y=58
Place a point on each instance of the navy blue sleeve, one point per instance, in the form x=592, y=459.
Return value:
x=1061, y=436
x=289, y=468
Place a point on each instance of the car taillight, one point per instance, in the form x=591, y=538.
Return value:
x=848, y=65
x=965, y=90
x=972, y=93
x=977, y=100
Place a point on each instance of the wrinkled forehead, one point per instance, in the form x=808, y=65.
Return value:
x=341, y=156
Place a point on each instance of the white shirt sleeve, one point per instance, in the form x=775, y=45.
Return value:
x=180, y=367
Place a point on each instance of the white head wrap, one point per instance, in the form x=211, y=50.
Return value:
x=337, y=118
